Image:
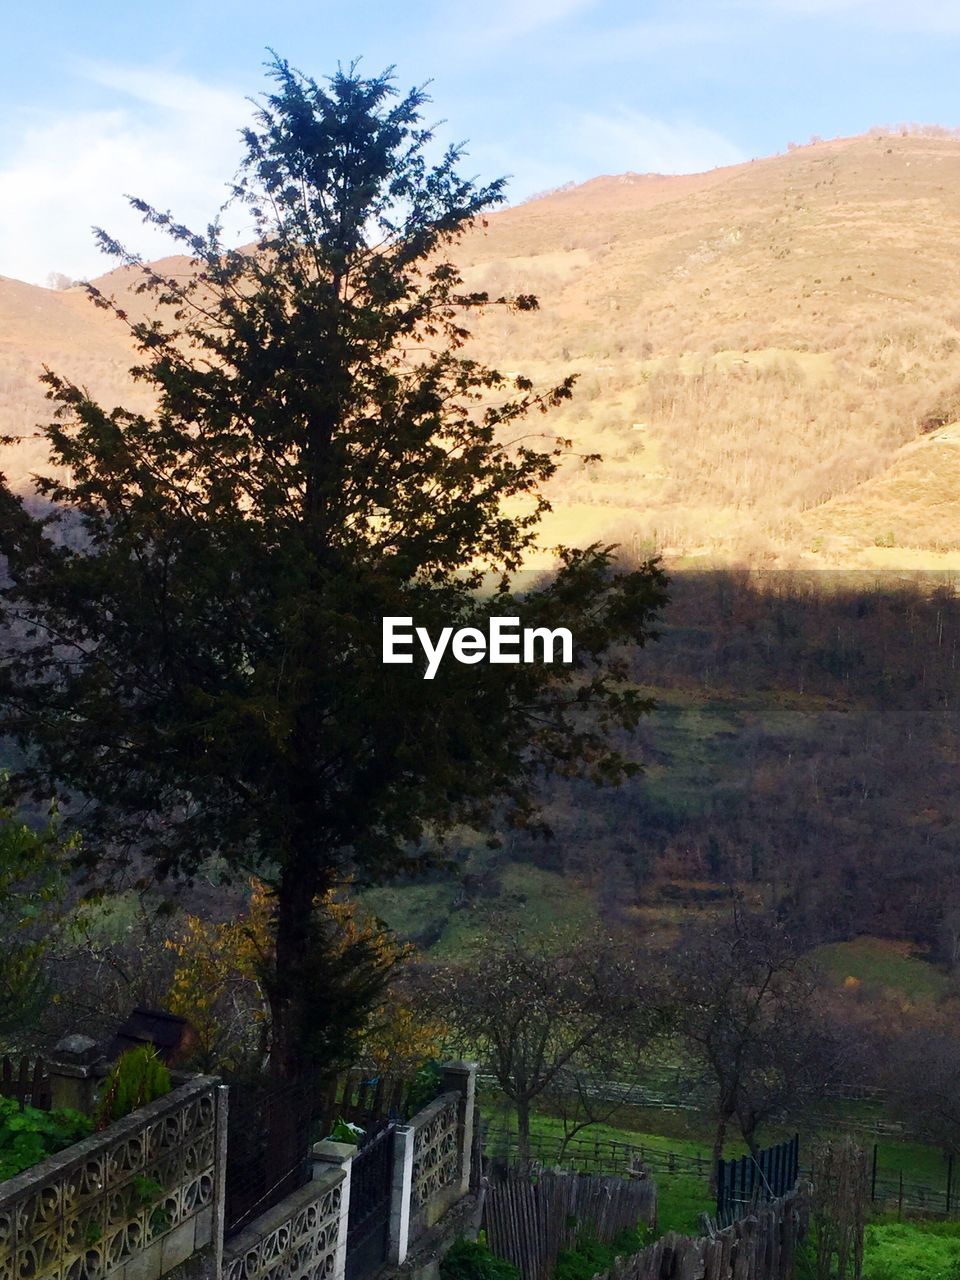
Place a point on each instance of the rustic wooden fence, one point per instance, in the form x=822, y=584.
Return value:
x=529, y=1219
x=595, y=1154
x=762, y=1246
x=26, y=1082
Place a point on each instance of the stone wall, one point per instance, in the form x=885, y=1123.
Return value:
x=130, y=1203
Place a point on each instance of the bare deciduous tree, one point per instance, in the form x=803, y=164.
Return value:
x=545, y=1022
x=745, y=999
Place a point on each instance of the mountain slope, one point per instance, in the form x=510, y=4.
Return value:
x=766, y=352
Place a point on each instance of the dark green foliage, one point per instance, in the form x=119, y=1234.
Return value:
x=473, y=1260
x=591, y=1258
x=138, y=1078
x=30, y=1135
x=31, y=890
x=147, y=1189
x=198, y=614
x=425, y=1087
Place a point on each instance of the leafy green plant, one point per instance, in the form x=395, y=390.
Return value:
x=138, y=1078
x=160, y=1221
x=147, y=1190
x=344, y=1131
x=425, y=1086
x=474, y=1260
x=30, y=1135
x=590, y=1257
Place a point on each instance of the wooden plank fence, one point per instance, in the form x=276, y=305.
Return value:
x=27, y=1082
x=760, y=1247
x=529, y=1219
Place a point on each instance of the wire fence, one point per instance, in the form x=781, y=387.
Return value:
x=892, y=1190
x=673, y=1089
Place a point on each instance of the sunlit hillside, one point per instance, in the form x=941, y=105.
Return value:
x=768, y=355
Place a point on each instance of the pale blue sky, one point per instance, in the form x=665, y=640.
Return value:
x=103, y=97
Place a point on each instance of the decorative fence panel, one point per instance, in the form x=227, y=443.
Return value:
x=300, y=1237
x=26, y=1082
x=437, y=1150
x=529, y=1220
x=134, y=1200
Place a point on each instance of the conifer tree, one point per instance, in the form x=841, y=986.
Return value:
x=194, y=619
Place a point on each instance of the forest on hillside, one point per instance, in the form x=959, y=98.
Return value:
x=803, y=750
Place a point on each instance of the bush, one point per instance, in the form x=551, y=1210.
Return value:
x=473, y=1260
x=590, y=1257
x=30, y=1135
x=138, y=1078
x=425, y=1086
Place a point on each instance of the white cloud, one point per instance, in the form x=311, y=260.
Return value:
x=499, y=22
x=585, y=145
x=629, y=140
x=923, y=16
x=173, y=141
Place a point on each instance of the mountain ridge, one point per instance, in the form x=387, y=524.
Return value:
x=761, y=350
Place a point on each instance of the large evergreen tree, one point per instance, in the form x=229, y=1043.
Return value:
x=195, y=616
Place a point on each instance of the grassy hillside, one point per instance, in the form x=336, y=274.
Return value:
x=768, y=355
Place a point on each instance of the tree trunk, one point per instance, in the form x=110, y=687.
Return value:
x=296, y=893
x=720, y=1136
x=523, y=1128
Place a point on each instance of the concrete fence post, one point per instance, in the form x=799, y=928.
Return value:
x=461, y=1077
x=337, y=1155
x=401, y=1195
x=75, y=1069
x=220, y=1177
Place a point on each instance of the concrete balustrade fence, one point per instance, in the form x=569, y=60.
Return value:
x=130, y=1203
x=146, y=1195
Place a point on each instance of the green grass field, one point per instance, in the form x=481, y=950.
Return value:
x=883, y=966
x=683, y=1195
x=912, y=1251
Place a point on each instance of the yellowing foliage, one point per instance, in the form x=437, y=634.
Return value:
x=218, y=985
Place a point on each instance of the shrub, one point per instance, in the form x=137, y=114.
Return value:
x=30, y=1135
x=425, y=1086
x=474, y=1260
x=138, y=1078
x=589, y=1257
